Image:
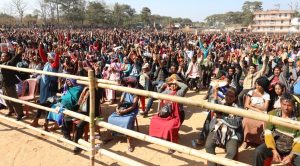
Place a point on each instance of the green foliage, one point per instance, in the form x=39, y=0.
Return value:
x=244, y=17
x=145, y=15
x=97, y=13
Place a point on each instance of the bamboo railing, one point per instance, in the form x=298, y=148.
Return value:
x=90, y=81
x=140, y=136
x=57, y=74
x=204, y=104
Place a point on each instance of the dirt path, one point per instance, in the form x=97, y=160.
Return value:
x=21, y=147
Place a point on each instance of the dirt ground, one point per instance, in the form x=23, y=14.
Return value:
x=22, y=147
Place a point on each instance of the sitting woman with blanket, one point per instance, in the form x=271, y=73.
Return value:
x=166, y=123
x=69, y=99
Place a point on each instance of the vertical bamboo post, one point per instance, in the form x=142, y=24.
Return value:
x=92, y=115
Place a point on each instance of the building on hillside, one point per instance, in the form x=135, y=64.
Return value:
x=272, y=21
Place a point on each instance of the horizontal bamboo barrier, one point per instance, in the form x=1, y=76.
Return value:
x=141, y=136
x=56, y=74
x=174, y=146
x=115, y=156
x=66, y=112
x=131, y=133
x=186, y=101
x=204, y=104
x=59, y=138
x=86, y=146
x=81, y=143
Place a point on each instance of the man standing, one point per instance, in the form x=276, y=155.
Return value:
x=281, y=143
x=10, y=80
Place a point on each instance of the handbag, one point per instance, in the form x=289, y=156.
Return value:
x=284, y=143
x=165, y=111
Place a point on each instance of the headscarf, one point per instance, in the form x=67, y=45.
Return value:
x=73, y=82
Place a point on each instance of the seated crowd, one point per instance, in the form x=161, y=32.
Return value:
x=254, y=72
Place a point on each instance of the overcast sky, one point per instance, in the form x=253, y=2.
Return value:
x=196, y=10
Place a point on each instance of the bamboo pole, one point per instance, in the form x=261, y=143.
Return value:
x=92, y=115
x=44, y=72
x=57, y=74
x=204, y=104
x=112, y=155
x=60, y=138
x=174, y=146
x=66, y=112
x=134, y=134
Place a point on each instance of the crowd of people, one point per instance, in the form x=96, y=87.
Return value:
x=257, y=72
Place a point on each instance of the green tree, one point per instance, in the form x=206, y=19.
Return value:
x=122, y=15
x=145, y=15
x=74, y=10
x=247, y=11
x=96, y=12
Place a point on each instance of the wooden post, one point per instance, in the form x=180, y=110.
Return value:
x=92, y=115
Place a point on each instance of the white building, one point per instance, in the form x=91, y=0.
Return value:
x=272, y=21
x=295, y=25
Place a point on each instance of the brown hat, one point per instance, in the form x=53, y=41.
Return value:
x=173, y=77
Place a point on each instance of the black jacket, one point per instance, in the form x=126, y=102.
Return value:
x=9, y=77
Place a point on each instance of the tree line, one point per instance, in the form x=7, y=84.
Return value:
x=243, y=17
x=81, y=12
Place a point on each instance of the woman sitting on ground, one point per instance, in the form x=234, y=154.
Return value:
x=166, y=125
x=126, y=111
x=256, y=100
x=233, y=137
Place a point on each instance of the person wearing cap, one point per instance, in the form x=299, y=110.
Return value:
x=48, y=84
x=168, y=127
x=9, y=81
x=126, y=111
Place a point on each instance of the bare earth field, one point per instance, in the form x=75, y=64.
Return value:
x=22, y=147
